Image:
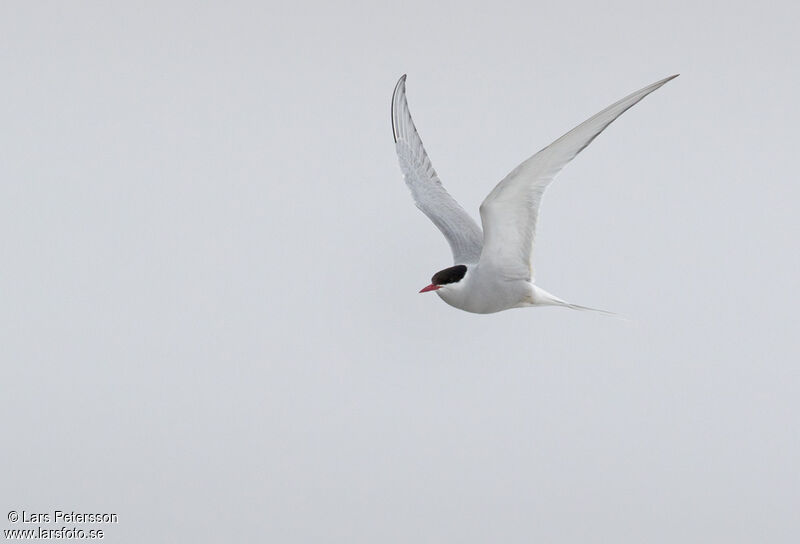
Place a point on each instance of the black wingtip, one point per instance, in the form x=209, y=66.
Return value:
x=400, y=82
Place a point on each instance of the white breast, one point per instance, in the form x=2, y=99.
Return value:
x=486, y=292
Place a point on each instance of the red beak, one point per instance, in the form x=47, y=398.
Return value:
x=431, y=287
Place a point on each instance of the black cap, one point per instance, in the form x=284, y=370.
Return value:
x=449, y=275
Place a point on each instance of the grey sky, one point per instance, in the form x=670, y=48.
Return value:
x=210, y=319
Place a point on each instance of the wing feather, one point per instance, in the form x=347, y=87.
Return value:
x=510, y=212
x=461, y=231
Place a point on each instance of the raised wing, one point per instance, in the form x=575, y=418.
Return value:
x=510, y=211
x=462, y=232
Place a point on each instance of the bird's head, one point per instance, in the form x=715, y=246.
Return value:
x=448, y=278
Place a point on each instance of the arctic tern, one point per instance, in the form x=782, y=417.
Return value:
x=492, y=268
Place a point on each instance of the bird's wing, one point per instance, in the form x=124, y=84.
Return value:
x=462, y=232
x=510, y=211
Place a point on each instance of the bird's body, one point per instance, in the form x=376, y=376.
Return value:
x=485, y=291
x=493, y=270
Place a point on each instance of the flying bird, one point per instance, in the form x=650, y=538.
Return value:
x=492, y=268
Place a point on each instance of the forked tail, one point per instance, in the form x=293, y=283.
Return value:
x=540, y=297
x=587, y=309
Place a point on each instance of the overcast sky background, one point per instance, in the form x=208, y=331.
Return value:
x=209, y=319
